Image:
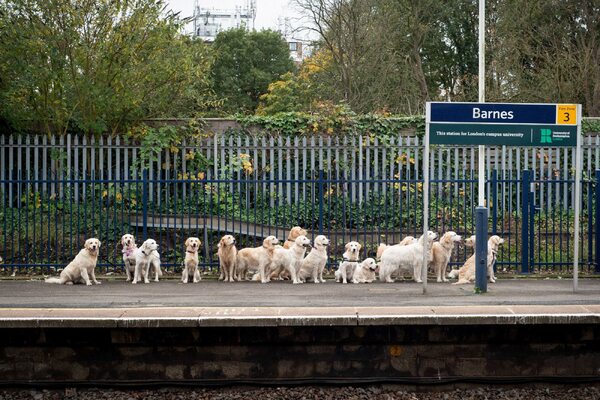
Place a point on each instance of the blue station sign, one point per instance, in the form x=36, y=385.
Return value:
x=503, y=124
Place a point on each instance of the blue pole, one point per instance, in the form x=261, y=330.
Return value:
x=481, y=250
x=525, y=187
x=145, y=190
x=597, y=247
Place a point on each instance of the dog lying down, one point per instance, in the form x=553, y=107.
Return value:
x=365, y=272
x=466, y=273
x=81, y=269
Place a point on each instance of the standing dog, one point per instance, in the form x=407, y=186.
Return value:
x=147, y=256
x=190, y=263
x=348, y=266
x=365, y=273
x=404, y=242
x=314, y=263
x=81, y=269
x=441, y=252
x=256, y=259
x=289, y=260
x=397, y=259
x=129, y=247
x=227, y=253
x=466, y=273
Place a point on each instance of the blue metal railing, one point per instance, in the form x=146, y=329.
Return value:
x=44, y=222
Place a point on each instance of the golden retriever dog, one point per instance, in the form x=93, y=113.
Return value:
x=190, y=263
x=294, y=233
x=289, y=260
x=365, y=272
x=346, y=269
x=466, y=273
x=314, y=263
x=470, y=242
x=256, y=259
x=81, y=269
x=227, y=253
x=129, y=247
x=397, y=259
x=404, y=242
x=147, y=256
x=441, y=252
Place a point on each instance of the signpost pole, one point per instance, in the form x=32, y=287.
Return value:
x=426, y=198
x=481, y=212
x=578, y=167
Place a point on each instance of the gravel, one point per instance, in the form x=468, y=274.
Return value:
x=386, y=392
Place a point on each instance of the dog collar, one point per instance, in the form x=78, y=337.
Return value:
x=190, y=251
x=129, y=251
x=144, y=253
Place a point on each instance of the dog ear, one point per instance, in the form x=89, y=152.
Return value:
x=359, y=246
x=187, y=242
x=99, y=243
x=123, y=240
x=347, y=246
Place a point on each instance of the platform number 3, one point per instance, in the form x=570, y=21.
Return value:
x=566, y=114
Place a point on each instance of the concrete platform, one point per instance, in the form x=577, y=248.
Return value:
x=116, y=304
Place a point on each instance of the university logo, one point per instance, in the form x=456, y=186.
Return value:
x=546, y=135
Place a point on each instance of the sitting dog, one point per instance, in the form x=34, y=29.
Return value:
x=256, y=259
x=441, y=252
x=129, y=247
x=466, y=273
x=313, y=264
x=81, y=269
x=365, y=272
x=227, y=253
x=397, y=259
x=346, y=269
x=190, y=263
x=147, y=256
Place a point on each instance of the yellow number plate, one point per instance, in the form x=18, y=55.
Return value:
x=566, y=114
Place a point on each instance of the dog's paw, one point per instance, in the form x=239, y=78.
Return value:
x=98, y=282
x=88, y=284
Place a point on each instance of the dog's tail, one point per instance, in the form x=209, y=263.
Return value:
x=53, y=280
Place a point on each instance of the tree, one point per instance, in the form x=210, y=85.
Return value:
x=96, y=65
x=298, y=91
x=245, y=64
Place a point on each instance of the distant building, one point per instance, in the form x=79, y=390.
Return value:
x=208, y=22
x=295, y=45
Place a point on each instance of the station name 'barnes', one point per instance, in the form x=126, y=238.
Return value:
x=482, y=114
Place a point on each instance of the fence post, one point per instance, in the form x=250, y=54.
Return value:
x=597, y=213
x=145, y=190
x=321, y=193
x=494, y=202
x=526, y=198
